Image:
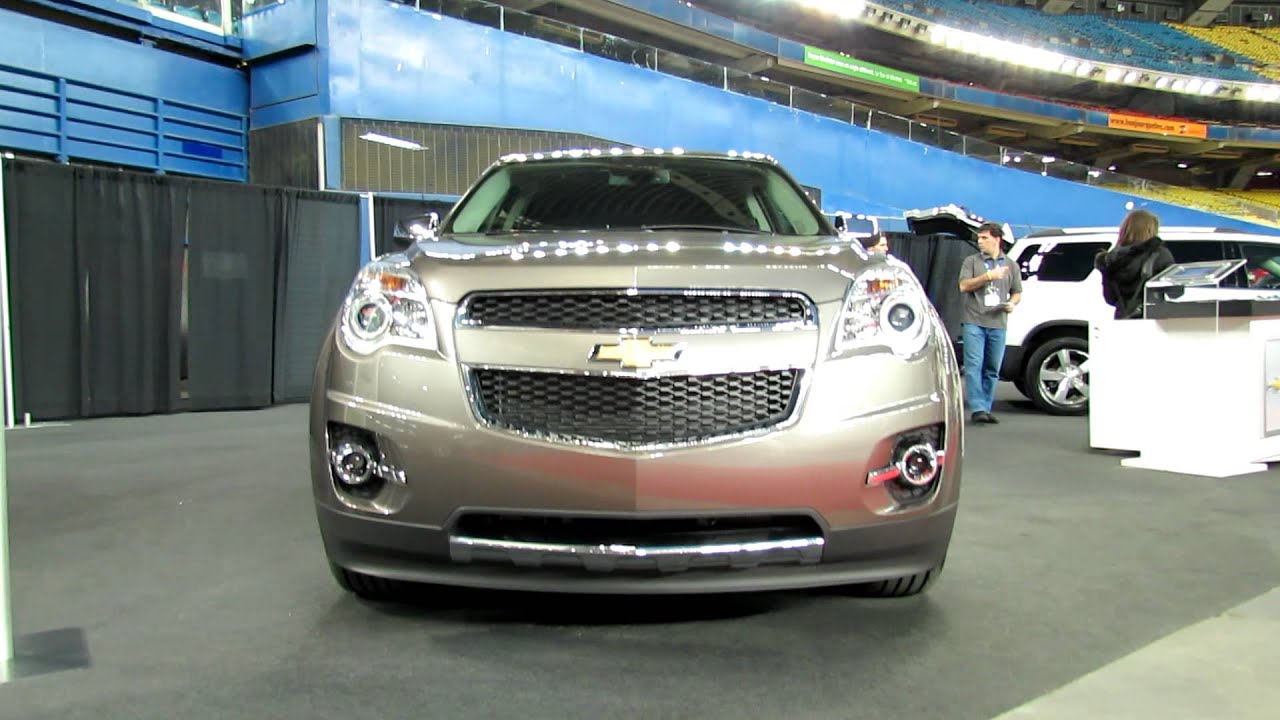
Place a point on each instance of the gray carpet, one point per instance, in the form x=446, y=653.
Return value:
x=185, y=548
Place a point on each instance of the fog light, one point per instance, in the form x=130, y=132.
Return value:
x=918, y=465
x=353, y=464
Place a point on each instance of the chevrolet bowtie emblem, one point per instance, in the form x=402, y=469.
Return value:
x=636, y=352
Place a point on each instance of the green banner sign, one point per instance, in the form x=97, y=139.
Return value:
x=835, y=62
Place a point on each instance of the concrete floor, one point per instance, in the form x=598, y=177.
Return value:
x=183, y=551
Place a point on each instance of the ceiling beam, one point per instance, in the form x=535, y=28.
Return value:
x=1244, y=173
x=915, y=107
x=1056, y=7
x=525, y=5
x=1004, y=131
x=753, y=64
x=1059, y=132
x=1202, y=13
x=1105, y=158
x=670, y=29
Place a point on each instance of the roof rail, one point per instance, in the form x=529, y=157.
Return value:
x=1061, y=232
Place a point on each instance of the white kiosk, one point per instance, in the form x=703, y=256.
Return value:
x=1194, y=385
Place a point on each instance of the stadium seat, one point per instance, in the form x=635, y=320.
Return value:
x=1139, y=43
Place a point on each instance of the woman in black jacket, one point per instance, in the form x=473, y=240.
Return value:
x=1139, y=255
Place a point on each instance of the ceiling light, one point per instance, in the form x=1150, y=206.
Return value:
x=839, y=8
x=1209, y=88
x=1114, y=74
x=392, y=141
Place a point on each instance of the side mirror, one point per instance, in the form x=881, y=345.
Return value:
x=416, y=228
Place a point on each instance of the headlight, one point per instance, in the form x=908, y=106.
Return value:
x=387, y=305
x=885, y=308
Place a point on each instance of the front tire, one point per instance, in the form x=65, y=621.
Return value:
x=1057, y=376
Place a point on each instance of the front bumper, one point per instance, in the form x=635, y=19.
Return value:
x=389, y=549
x=815, y=467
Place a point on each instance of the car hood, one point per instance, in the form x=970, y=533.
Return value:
x=821, y=267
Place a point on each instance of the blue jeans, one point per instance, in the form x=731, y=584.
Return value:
x=983, y=353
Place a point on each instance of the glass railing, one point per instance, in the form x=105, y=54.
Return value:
x=221, y=17
x=736, y=81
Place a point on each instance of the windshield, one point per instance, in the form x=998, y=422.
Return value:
x=638, y=193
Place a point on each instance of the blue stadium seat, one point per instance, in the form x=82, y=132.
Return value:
x=1139, y=43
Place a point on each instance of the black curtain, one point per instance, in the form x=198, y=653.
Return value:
x=320, y=257
x=39, y=210
x=234, y=235
x=95, y=275
x=128, y=229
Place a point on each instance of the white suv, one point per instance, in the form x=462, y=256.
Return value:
x=1047, y=355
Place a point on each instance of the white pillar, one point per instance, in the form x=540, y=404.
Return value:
x=6, y=326
x=6, y=614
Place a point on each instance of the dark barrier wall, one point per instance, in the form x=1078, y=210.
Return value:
x=95, y=266
x=391, y=62
x=234, y=236
x=96, y=260
x=319, y=259
x=44, y=301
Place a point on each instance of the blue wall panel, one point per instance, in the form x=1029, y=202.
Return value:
x=392, y=63
x=76, y=94
x=290, y=78
x=281, y=26
x=60, y=51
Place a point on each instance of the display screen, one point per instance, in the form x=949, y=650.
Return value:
x=1209, y=272
x=1194, y=273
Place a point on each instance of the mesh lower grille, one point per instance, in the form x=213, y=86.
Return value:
x=635, y=411
x=650, y=311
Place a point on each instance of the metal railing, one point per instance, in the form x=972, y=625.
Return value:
x=760, y=86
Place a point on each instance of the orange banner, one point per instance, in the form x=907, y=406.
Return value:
x=1157, y=126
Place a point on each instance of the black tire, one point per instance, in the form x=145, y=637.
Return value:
x=369, y=587
x=899, y=587
x=1045, y=386
x=1021, y=386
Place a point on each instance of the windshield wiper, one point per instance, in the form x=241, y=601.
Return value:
x=708, y=228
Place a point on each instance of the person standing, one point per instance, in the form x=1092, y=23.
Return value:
x=877, y=244
x=1138, y=256
x=990, y=288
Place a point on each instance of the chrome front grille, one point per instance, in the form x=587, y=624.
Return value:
x=649, y=310
x=634, y=411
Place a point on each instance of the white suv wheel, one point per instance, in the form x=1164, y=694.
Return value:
x=1057, y=376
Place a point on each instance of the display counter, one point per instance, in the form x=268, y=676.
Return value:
x=1194, y=386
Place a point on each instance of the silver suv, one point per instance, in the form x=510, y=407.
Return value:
x=632, y=372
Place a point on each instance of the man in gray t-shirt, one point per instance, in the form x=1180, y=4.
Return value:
x=990, y=288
